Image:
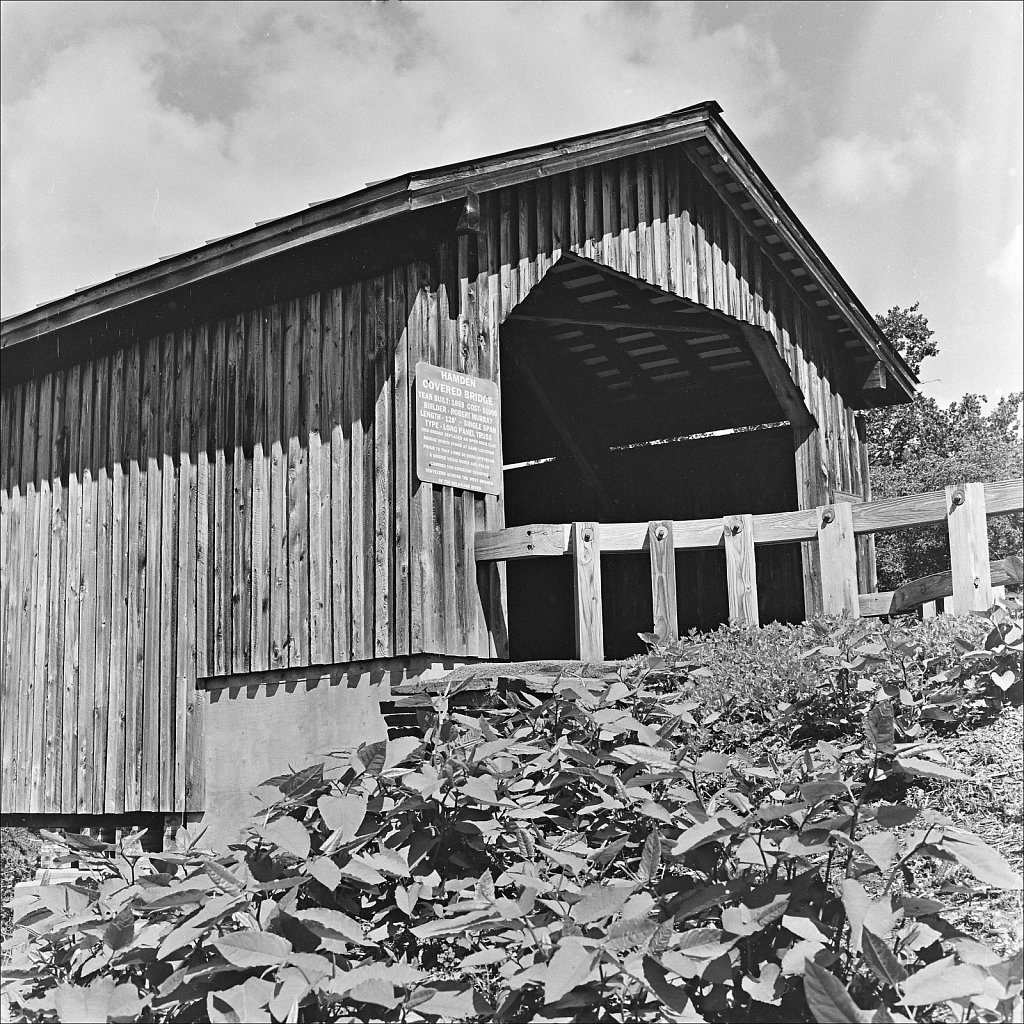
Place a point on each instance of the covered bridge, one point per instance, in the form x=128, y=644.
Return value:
x=240, y=493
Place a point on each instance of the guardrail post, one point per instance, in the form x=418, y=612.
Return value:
x=740, y=569
x=968, y=548
x=585, y=545
x=837, y=550
x=663, y=579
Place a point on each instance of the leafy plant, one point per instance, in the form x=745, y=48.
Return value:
x=592, y=853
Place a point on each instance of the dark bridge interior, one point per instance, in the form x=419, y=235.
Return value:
x=614, y=397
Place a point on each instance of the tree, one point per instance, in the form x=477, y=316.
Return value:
x=923, y=447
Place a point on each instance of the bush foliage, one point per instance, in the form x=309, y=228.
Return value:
x=634, y=848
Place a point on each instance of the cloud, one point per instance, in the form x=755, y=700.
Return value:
x=136, y=130
x=854, y=168
x=1008, y=267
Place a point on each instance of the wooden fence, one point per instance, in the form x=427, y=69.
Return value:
x=964, y=507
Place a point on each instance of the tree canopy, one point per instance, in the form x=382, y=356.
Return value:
x=924, y=446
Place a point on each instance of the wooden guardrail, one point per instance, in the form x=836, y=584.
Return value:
x=965, y=509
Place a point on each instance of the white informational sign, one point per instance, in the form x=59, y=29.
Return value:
x=458, y=430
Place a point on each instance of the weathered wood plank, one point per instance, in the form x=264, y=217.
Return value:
x=259, y=613
x=278, y=442
x=170, y=398
x=968, y=548
x=150, y=434
x=57, y=577
x=195, y=705
x=341, y=486
x=403, y=441
x=355, y=416
x=113, y=792
x=103, y=593
x=663, y=579
x=87, y=595
x=837, y=550
x=319, y=612
x=219, y=575
x=585, y=546
x=185, y=581
x=383, y=469
x=425, y=633
x=924, y=592
x=740, y=569
x=240, y=445
x=40, y=594
x=26, y=595
x=298, y=495
x=200, y=420
x=136, y=581
x=11, y=402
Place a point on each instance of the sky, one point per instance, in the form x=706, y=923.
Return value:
x=134, y=130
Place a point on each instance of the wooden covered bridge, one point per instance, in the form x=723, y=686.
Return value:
x=248, y=489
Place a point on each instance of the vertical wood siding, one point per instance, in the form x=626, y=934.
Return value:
x=239, y=495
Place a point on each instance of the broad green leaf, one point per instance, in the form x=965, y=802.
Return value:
x=325, y=871
x=120, y=931
x=253, y=949
x=650, y=857
x=600, y=901
x=882, y=961
x=983, y=861
x=630, y=932
x=712, y=763
x=882, y=847
x=480, y=787
x=359, y=870
x=943, y=980
x=287, y=834
x=452, y=1000
x=484, y=890
x=929, y=769
x=828, y=999
x=331, y=924
x=814, y=792
x=805, y=928
x=343, y=814
x=246, y=1003
x=525, y=843
x=459, y=925
x=484, y=957
x=744, y=920
x=571, y=965
x=608, y=853
x=673, y=996
x=879, y=728
x=698, y=835
x=292, y=985
x=373, y=756
x=226, y=879
x=400, y=750
x=704, y=943
x=100, y=1001
x=894, y=815
x=765, y=987
x=645, y=755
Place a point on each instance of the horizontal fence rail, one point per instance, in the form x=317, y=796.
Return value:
x=965, y=508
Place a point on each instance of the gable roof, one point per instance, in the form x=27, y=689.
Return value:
x=727, y=165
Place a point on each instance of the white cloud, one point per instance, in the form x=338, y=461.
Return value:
x=137, y=130
x=870, y=166
x=1008, y=267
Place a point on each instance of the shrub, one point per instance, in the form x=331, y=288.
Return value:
x=588, y=854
